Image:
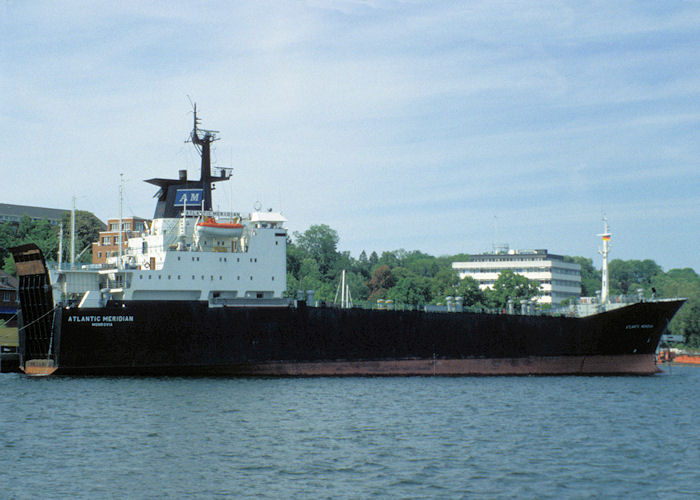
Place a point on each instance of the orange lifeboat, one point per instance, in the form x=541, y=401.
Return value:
x=211, y=227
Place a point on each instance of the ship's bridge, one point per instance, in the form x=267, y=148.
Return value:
x=267, y=219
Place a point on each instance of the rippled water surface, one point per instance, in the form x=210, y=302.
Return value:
x=631, y=437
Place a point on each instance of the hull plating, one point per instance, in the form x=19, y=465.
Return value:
x=190, y=338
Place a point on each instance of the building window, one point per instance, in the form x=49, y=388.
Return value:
x=105, y=240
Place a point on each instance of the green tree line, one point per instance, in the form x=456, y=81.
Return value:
x=45, y=236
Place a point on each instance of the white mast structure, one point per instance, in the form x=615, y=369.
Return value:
x=72, y=236
x=121, y=197
x=344, y=292
x=605, y=289
x=60, y=245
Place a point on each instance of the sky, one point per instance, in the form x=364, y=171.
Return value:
x=444, y=127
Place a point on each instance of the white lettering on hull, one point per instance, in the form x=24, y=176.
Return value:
x=101, y=320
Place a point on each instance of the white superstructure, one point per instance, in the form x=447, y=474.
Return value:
x=558, y=279
x=188, y=252
x=174, y=260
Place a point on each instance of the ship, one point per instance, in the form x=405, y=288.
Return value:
x=202, y=292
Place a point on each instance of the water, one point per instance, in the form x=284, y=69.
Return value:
x=417, y=437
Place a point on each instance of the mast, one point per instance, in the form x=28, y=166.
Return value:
x=343, y=302
x=196, y=192
x=605, y=288
x=72, y=235
x=203, y=145
x=60, y=245
x=121, y=199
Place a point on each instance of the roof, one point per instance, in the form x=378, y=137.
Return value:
x=267, y=217
x=7, y=282
x=17, y=211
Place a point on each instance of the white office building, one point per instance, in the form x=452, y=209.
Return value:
x=558, y=280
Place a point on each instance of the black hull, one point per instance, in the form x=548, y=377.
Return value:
x=158, y=337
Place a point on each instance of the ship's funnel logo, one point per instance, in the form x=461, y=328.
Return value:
x=188, y=197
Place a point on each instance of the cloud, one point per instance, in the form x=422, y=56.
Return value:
x=397, y=123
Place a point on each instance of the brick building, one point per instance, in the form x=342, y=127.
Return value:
x=108, y=243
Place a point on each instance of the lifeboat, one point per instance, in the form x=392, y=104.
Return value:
x=220, y=229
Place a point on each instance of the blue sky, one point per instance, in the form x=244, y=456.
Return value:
x=439, y=126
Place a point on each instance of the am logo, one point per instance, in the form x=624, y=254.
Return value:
x=188, y=197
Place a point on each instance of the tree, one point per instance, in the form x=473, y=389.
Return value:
x=421, y=264
x=682, y=283
x=309, y=274
x=382, y=280
x=319, y=242
x=626, y=275
x=470, y=292
x=414, y=290
x=373, y=259
x=9, y=265
x=389, y=259
x=363, y=264
x=443, y=284
x=294, y=258
x=87, y=231
x=510, y=285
